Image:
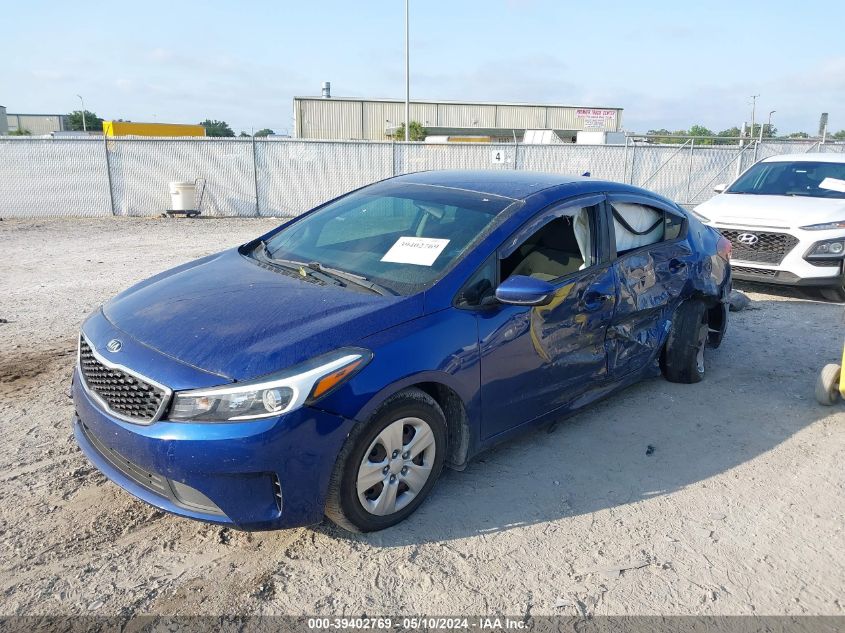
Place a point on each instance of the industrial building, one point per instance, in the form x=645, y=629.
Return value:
x=37, y=124
x=330, y=117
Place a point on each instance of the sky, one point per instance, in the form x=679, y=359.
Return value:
x=668, y=64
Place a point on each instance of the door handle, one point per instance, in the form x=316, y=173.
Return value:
x=676, y=265
x=592, y=301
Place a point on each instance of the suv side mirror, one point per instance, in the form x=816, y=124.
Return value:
x=519, y=290
x=720, y=188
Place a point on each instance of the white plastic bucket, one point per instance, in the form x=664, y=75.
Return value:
x=183, y=196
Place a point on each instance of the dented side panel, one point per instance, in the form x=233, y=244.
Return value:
x=651, y=282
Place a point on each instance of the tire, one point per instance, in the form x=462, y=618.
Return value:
x=827, y=385
x=683, y=356
x=834, y=293
x=381, y=452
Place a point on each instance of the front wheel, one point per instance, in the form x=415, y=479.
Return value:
x=388, y=465
x=683, y=356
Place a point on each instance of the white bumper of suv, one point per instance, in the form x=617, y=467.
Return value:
x=779, y=255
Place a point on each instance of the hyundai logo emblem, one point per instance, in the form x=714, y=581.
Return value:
x=114, y=345
x=749, y=239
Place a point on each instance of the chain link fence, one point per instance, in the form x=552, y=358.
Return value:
x=79, y=177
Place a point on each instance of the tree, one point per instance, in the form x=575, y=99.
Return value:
x=800, y=135
x=265, y=132
x=214, y=127
x=242, y=134
x=20, y=132
x=93, y=123
x=730, y=135
x=769, y=131
x=839, y=136
x=700, y=130
x=417, y=132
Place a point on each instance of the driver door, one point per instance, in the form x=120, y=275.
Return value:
x=535, y=359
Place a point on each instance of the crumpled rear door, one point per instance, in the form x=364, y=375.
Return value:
x=651, y=280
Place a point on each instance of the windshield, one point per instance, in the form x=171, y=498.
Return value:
x=402, y=237
x=801, y=178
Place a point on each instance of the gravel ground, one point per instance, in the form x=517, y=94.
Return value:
x=737, y=509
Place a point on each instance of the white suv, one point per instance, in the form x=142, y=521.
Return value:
x=785, y=217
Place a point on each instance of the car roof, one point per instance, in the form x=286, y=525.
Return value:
x=509, y=183
x=803, y=158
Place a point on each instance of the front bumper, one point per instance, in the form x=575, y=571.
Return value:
x=228, y=473
x=793, y=269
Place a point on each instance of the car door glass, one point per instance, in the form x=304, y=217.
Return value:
x=561, y=247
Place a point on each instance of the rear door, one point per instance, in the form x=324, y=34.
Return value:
x=653, y=264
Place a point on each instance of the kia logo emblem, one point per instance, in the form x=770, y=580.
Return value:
x=114, y=345
x=749, y=239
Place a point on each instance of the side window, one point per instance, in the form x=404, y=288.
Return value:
x=563, y=246
x=638, y=225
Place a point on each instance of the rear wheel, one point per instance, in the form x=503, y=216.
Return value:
x=388, y=465
x=683, y=356
x=827, y=385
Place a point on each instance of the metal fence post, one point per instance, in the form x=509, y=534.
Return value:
x=255, y=177
x=515, y=155
x=625, y=161
x=108, y=172
x=393, y=155
x=689, y=171
x=633, y=162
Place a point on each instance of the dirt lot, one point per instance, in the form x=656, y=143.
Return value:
x=737, y=510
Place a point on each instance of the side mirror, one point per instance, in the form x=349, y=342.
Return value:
x=720, y=188
x=524, y=291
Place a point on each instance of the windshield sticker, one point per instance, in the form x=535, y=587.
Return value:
x=420, y=251
x=833, y=184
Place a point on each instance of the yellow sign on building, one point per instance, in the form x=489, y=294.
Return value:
x=128, y=128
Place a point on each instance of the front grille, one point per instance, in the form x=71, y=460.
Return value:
x=759, y=272
x=770, y=248
x=125, y=395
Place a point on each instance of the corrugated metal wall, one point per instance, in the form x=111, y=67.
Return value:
x=37, y=124
x=352, y=119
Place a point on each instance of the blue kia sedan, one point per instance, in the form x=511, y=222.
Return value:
x=335, y=365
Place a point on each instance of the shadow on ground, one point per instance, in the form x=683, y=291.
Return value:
x=649, y=440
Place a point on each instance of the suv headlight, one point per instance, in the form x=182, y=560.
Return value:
x=826, y=226
x=829, y=249
x=270, y=395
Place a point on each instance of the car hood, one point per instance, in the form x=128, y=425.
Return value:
x=771, y=211
x=226, y=314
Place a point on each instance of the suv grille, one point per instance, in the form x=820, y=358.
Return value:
x=125, y=395
x=770, y=248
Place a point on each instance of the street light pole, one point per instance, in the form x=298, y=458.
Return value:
x=768, y=125
x=753, y=111
x=84, y=126
x=407, y=76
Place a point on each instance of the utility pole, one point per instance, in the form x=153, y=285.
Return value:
x=84, y=126
x=407, y=75
x=753, y=112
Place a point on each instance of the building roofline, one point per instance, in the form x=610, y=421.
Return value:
x=448, y=102
x=32, y=114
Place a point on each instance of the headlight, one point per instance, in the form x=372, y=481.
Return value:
x=824, y=227
x=271, y=395
x=829, y=249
